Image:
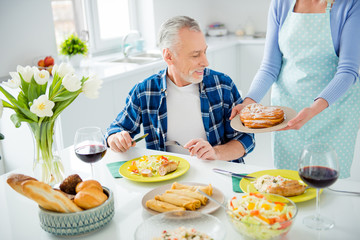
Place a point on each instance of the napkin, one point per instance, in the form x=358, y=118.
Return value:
x=114, y=168
x=236, y=184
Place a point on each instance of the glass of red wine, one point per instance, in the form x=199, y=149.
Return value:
x=318, y=168
x=90, y=145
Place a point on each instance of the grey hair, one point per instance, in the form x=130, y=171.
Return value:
x=169, y=31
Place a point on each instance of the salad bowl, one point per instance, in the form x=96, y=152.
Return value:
x=261, y=216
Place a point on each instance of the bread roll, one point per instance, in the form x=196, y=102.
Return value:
x=69, y=184
x=15, y=180
x=89, y=184
x=90, y=197
x=47, y=197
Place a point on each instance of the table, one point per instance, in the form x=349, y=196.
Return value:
x=19, y=215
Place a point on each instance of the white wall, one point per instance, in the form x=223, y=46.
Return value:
x=26, y=31
x=234, y=14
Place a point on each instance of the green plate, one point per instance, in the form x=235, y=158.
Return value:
x=182, y=168
x=247, y=184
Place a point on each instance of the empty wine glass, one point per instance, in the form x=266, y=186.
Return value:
x=319, y=168
x=90, y=145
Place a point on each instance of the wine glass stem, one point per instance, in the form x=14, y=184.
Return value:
x=92, y=171
x=317, y=216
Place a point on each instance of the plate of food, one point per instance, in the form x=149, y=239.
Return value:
x=154, y=168
x=279, y=181
x=182, y=197
x=256, y=118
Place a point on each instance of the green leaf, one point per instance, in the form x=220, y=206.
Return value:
x=16, y=119
x=59, y=108
x=33, y=90
x=1, y=136
x=6, y=104
x=22, y=98
x=24, y=85
x=65, y=96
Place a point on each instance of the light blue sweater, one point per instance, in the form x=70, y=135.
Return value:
x=345, y=31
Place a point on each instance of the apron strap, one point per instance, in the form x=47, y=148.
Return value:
x=328, y=6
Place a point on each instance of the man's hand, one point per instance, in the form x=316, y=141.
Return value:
x=120, y=142
x=201, y=149
x=237, y=109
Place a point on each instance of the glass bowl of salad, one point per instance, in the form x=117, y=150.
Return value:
x=181, y=225
x=261, y=216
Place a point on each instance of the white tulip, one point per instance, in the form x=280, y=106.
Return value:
x=15, y=80
x=91, y=87
x=71, y=82
x=42, y=106
x=41, y=77
x=26, y=72
x=1, y=108
x=62, y=69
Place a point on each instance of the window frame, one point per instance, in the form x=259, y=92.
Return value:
x=97, y=45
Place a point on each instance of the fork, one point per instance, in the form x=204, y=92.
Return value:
x=172, y=143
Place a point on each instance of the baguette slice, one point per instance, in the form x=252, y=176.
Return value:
x=15, y=180
x=48, y=198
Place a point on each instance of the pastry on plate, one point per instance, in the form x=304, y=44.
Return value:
x=256, y=115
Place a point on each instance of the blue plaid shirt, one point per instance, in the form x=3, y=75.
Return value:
x=146, y=104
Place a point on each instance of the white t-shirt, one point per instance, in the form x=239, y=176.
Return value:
x=184, y=118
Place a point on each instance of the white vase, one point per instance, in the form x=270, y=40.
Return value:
x=75, y=60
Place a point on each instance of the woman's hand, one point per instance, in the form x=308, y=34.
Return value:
x=120, y=142
x=237, y=109
x=306, y=114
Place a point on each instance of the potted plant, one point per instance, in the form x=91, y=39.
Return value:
x=74, y=48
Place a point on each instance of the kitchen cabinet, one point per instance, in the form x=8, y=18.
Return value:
x=224, y=60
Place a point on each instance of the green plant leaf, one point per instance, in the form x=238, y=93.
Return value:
x=24, y=85
x=16, y=119
x=65, y=96
x=1, y=136
x=22, y=98
x=34, y=90
x=6, y=104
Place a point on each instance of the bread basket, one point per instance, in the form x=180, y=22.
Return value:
x=69, y=224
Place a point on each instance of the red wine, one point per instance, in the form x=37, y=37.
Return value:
x=318, y=177
x=90, y=153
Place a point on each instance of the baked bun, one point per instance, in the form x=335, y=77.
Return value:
x=69, y=184
x=15, y=180
x=90, y=198
x=89, y=184
x=256, y=115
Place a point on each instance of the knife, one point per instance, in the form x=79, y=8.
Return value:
x=140, y=138
x=237, y=175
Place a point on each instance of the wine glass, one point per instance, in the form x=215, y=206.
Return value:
x=90, y=145
x=319, y=168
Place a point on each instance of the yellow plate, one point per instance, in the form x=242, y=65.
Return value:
x=247, y=186
x=182, y=168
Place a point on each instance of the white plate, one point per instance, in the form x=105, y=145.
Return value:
x=238, y=125
x=208, y=208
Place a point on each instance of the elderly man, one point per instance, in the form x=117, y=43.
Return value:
x=186, y=102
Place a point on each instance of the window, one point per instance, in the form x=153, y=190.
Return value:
x=102, y=23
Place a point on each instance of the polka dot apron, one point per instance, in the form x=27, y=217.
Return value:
x=309, y=64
